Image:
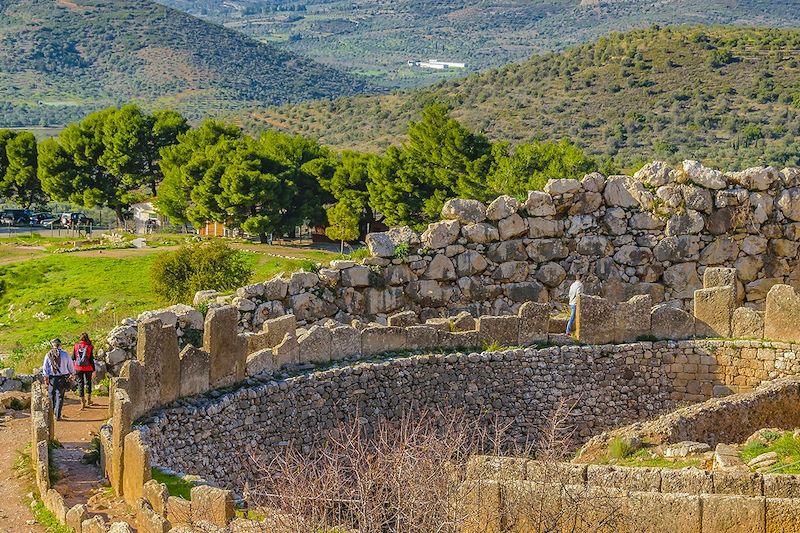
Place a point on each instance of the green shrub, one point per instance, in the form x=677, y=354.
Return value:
x=214, y=265
x=359, y=254
x=619, y=449
x=401, y=251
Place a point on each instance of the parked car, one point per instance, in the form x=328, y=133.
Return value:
x=15, y=217
x=72, y=220
x=38, y=219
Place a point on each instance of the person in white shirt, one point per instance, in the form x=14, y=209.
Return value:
x=57, y=370
x=575, y=290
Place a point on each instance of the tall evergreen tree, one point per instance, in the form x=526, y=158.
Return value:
x=18, y=162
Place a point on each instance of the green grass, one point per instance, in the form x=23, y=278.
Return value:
x=35, y=305
x=175, y=485
x=784, y=444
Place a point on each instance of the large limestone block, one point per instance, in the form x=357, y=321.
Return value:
x=737, y=481
x=75, y=517
x=465, y=211
x=502, y=330
x=315, y=346
x=671, y=323
x=789, y=203
x=624, y=478
x=309, y=306
x=595, y=322
x=470, y=263
x=713, y=311
x=502, y=207
x=179, y=511
x=480, y=233
x=719, y=277
x=136, y=471
x=355, y=276
x=441, y=234
x=286, y=353
x=148, y=521
x=526, y=291
x=782, y=314
x=212, y=505
x=195, y=371
x=529, y=506
x=261, y=362
x=512, y=226
x=534, y=322
x=481, y=506
x=122, y=419
x=457, y=339
x=632, y=319
x=616, y=192
x=686, y=480
x=421, y=337
x=747, y=323
x=170, y=370
x=651, y=512
x=539, y=228
x=440, y=268
x=540, y=204
x=345, y=342
x=733, y=514
x=783, y=515
x=156, y=495
x=227, y=350
x=781, y=486
x=54, y=502
x=275, y=329
x=95, y=524
x=704, y=176
x=379, y=339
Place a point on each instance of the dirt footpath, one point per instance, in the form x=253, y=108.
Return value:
x=15, y=514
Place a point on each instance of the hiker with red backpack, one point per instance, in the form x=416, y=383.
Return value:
x=83, y=358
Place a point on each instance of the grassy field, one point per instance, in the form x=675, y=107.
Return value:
x=45, y=294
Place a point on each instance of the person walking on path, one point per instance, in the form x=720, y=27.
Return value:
x=83, y=359
x=575, y=290
x=58, y=371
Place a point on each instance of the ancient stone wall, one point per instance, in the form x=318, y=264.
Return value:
x=516, y=494
x=652, y=234
x=609, y=385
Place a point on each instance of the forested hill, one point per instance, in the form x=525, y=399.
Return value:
x=60, y=59
x=377, y=37
x=728, y=96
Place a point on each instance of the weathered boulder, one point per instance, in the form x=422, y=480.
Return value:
x=593, y=182
x=534, y=322
x=633, y=255
x=480, y=233
x=526, y=291
x=543, y=250
x=782, y=314
x=698, y=199
x=677, y=249
x=543, y=227
x=355, y=276
x=562, y=186
x=713, y=311
x=551, y=274
x=502, y=330
x=314, y=346
x=754, y=245
x=616, y=192
x=501, y=252
x=704, y=176
x=465, y=211
x=615, y=221
x=512, y=226
x=540, y=204
x=595, y=323
x=470, y=263
x=440, y=268
x=512, y=271
x=671, y=323
x=441, y=234
x=595, y=245
x=688, y=223
x=502, y=207
x=721, y=250
x=756, y=178
x=747, y=323
x=655, y=174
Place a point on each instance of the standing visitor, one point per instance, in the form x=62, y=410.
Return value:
x=83, y=357
x=575, y=290
x=57, y=370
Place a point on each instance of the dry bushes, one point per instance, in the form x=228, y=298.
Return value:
x=418, y=475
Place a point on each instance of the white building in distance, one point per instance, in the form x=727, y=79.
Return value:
x=436, y=64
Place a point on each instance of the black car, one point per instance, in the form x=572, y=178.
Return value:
x=71, y=220
x=36, y=219
x=15, y=217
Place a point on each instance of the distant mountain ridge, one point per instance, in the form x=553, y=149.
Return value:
x=729, y=96
x=375, y=38
x=61, y=59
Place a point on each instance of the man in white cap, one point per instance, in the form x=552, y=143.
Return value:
x=57, y=370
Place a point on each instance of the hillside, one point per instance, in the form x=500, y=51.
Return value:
x=61, y=59
x=375, y=38
x=728, y=96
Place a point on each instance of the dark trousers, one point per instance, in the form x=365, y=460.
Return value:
x=84, y=379
x=58, y=386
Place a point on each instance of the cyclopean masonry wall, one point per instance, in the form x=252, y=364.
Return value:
x=609, y=385
x=515, y=494
x=654, y=233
